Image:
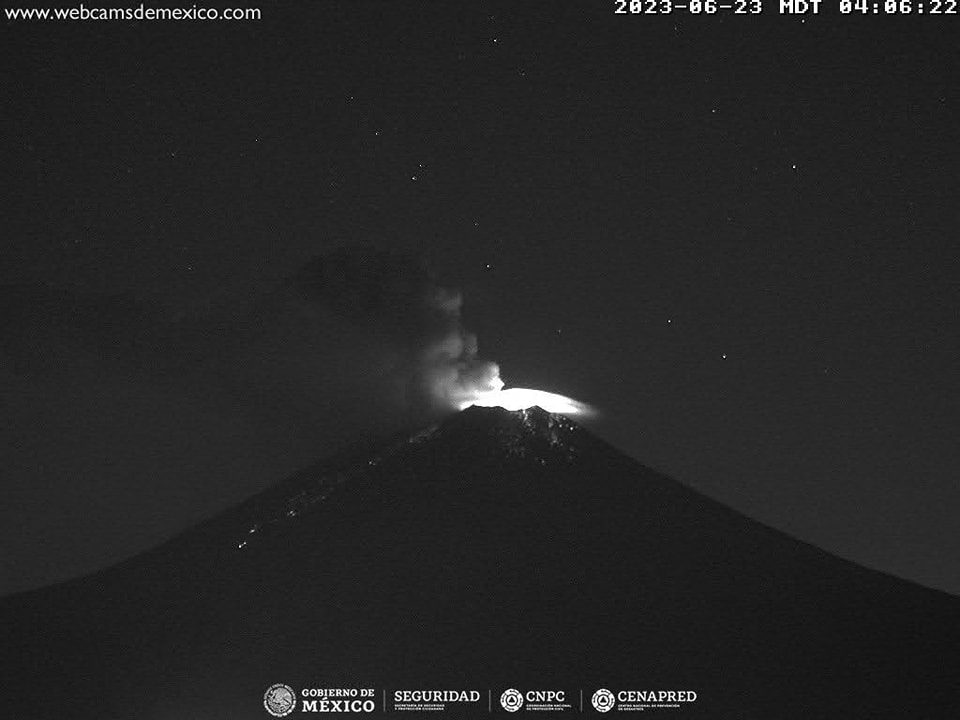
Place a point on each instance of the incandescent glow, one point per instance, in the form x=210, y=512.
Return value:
x=523, y=398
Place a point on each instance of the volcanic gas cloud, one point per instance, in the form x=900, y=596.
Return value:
x=457, y=378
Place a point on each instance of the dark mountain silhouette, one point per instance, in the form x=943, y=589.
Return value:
x=496, y=549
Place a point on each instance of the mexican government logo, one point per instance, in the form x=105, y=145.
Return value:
x=511, y=700
x=603, y=700
x=280, y=700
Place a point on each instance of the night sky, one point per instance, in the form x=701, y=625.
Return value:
x=735, y=236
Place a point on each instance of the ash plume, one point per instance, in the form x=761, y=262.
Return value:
x=440, y=365
x=450, y=367
x=170, y=416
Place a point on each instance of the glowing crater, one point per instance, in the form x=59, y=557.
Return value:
x=523, y=398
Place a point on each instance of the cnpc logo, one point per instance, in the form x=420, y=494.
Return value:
x=512, y=699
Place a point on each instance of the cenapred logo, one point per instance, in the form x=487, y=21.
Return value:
x=603, y=700
x=511, y=700
x=280, y=700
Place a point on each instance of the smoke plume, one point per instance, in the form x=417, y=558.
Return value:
x=396, y=291
x=124, y=422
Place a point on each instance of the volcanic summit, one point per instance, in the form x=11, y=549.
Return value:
x=497, y=548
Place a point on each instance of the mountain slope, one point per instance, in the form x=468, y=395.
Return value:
x=499, y=548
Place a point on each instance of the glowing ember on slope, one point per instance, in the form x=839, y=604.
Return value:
x=523, y=398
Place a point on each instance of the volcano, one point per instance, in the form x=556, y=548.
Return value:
x=496, y=549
